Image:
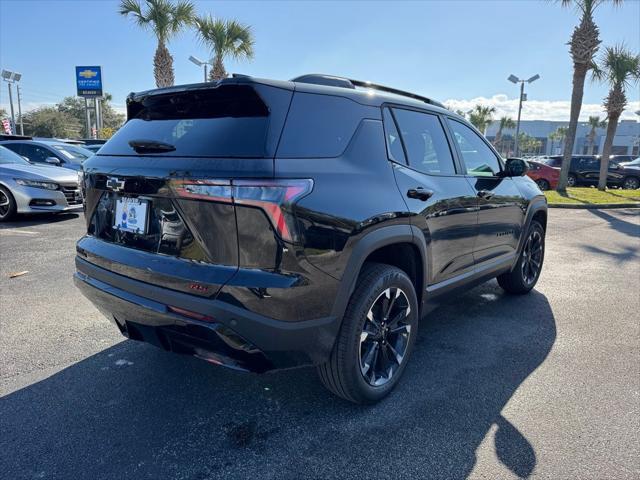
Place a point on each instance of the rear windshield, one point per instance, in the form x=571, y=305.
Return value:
x=227, y=121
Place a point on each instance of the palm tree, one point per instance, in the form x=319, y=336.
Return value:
x=165, y=19
x=481, y=117
x=583, y=46
x=619, y=68
x=224, y=38
x=558, y=135
x=506, y=123
x=594, y=123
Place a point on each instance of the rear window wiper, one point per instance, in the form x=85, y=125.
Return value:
x=151, y=146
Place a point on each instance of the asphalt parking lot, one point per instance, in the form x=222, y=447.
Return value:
x=546, y=385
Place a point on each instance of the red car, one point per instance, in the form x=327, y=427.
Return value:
x=545, y=176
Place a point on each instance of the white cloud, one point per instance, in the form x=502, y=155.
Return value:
x=537, y=109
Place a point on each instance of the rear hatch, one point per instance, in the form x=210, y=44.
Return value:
x=165, y=187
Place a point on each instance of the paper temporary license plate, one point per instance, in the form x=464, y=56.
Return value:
x=131, y=215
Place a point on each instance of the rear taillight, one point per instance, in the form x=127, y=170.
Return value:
x=274, y=197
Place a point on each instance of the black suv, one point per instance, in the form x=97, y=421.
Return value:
x=585, y=171
x=263, y=224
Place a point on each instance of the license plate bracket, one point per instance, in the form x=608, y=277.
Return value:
x=131, y=215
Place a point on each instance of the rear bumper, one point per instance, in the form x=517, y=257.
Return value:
x=231, y=336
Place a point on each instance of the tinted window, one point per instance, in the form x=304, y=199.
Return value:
x=8, y=156
x=36, y=153
x=478, y=157
x=394, y=144
x=227, y=121
x=425, y=141
x=320, y=125
x=72, y=153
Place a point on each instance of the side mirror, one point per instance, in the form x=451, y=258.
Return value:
x=53, y=161
x=515, y=167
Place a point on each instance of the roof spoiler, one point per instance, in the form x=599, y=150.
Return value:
x=330, y=80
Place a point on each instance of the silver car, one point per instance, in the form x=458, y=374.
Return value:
x=29, y=188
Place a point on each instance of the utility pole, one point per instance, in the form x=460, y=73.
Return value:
x=20, y=110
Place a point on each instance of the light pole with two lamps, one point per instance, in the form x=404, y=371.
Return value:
x=11, y=78
x=523, y=97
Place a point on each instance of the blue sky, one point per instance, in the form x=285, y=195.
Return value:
x=460, y=51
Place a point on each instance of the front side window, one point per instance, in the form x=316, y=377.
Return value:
x=478, y=157
x=425, y=142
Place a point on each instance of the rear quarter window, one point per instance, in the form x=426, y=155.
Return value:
x=321, y=125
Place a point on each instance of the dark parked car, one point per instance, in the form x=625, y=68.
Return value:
x=264, y=224
x=49, y=152
x=585, y=171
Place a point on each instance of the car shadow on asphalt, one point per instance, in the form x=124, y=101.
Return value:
x=38, y=219
x=133, y=411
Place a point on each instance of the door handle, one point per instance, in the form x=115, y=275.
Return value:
x=420, y=193
x=486, y=194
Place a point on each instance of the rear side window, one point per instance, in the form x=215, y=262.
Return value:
x=394, y=144
x=425, y=141
x=227, y=121
x=320, y=126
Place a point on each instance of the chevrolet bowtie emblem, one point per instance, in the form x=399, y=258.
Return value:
x=115, y=184
x=88, y=74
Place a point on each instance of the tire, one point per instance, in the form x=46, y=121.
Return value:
x=7, y=205
x=523, y=278
x=572, y=181
x=631, y=183
x=542, y=184
x=355, y=362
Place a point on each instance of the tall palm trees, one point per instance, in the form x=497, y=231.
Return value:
x=619, y=68
x=506, y=123
x=583, y=46
x=165, y=19
x=481, y=117
x=594, y=123
x=224, y=38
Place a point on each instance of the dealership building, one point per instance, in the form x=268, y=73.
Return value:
x=626, y=141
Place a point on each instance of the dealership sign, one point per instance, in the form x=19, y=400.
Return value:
x=89, y=81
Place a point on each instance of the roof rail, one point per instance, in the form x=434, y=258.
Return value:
x=320, y=79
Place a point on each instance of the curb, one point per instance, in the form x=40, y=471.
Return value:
x=594, y=206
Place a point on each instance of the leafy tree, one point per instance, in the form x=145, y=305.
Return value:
x=50, y=122
x=506, y=123
x=481, y=117
x=225, y=38
x=594, y=123
x=165, y=19
x=74, y=106
x=619, y=68
x=584, y=43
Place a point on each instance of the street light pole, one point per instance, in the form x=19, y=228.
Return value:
x=13, y=116
x=513, y=79
x=10, y=78
x=200, y=63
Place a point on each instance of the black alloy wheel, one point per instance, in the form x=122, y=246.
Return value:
x=385, y=336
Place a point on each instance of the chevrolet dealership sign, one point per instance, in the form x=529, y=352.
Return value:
x=89, y=81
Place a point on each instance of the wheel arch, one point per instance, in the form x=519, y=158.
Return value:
x=397, y=245
x=537, y=210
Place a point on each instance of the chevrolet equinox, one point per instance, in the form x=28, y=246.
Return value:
x=262, y=224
